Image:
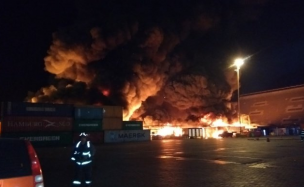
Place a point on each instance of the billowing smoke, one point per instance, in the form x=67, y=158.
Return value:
x=162, y=61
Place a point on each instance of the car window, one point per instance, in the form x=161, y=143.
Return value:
x=14, y=159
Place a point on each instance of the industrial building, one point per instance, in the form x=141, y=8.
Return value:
x=276, y=112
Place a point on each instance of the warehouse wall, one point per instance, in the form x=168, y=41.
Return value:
x=283, y=107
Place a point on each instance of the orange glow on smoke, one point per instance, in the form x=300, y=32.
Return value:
x=34, y=100
x=105, y=92
x=206, y=119
x=128, y=113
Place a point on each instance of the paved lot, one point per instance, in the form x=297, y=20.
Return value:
x=231, y=162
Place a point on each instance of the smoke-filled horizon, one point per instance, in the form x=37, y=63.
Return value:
x=162, y=61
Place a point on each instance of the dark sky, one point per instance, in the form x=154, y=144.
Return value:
x=273, y=34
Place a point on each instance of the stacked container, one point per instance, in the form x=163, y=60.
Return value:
x=43, y=124
x=132, y=125
x=112, y=118
x=88, y=119
x=115, y=136
x=132, y=131
x=117, y=130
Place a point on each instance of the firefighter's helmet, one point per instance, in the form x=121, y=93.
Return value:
x=83, y=134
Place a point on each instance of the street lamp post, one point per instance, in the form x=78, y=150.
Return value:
x=238, y=63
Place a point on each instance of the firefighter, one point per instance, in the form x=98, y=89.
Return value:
x=302, y=134
x=82, y=157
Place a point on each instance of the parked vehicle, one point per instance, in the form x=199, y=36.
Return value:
x=19, y=164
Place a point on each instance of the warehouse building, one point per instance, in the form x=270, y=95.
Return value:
x=276, y=112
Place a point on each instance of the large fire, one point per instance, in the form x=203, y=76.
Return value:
x=168, y=130
x=215, y=128
x=166, y=71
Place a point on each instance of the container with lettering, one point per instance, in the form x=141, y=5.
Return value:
x=44, y=138
x=36, y=109
x=81, y=125
x=114, y=136
x=37, y=124
x=132, y=125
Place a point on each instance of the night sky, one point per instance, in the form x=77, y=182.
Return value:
x=271, y=32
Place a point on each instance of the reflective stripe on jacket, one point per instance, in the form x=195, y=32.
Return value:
x=82, y=153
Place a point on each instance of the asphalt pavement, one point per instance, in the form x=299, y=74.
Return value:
x=227, y=162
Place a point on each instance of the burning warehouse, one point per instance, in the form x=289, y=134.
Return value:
x=164, y=64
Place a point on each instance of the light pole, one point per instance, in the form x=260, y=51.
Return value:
x=238, y=63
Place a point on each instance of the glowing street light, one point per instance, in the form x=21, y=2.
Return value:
x=238, y=63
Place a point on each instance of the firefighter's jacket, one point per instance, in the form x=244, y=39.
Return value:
x=83, y=153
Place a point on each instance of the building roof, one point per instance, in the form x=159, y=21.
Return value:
x=273, y=90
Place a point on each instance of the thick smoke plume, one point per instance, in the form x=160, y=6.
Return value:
x=164, y=62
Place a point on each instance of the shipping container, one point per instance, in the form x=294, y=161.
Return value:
x=36, y=109
x=43, y=138
x=126, y=136
x=94, y=137
x=132, y=125
x=27, y=124
x=113, y=111
x=112, y=123
x=87, y=125
x=88, y=112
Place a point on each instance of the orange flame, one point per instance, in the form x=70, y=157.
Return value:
x=170, y=131
x=216, y=134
